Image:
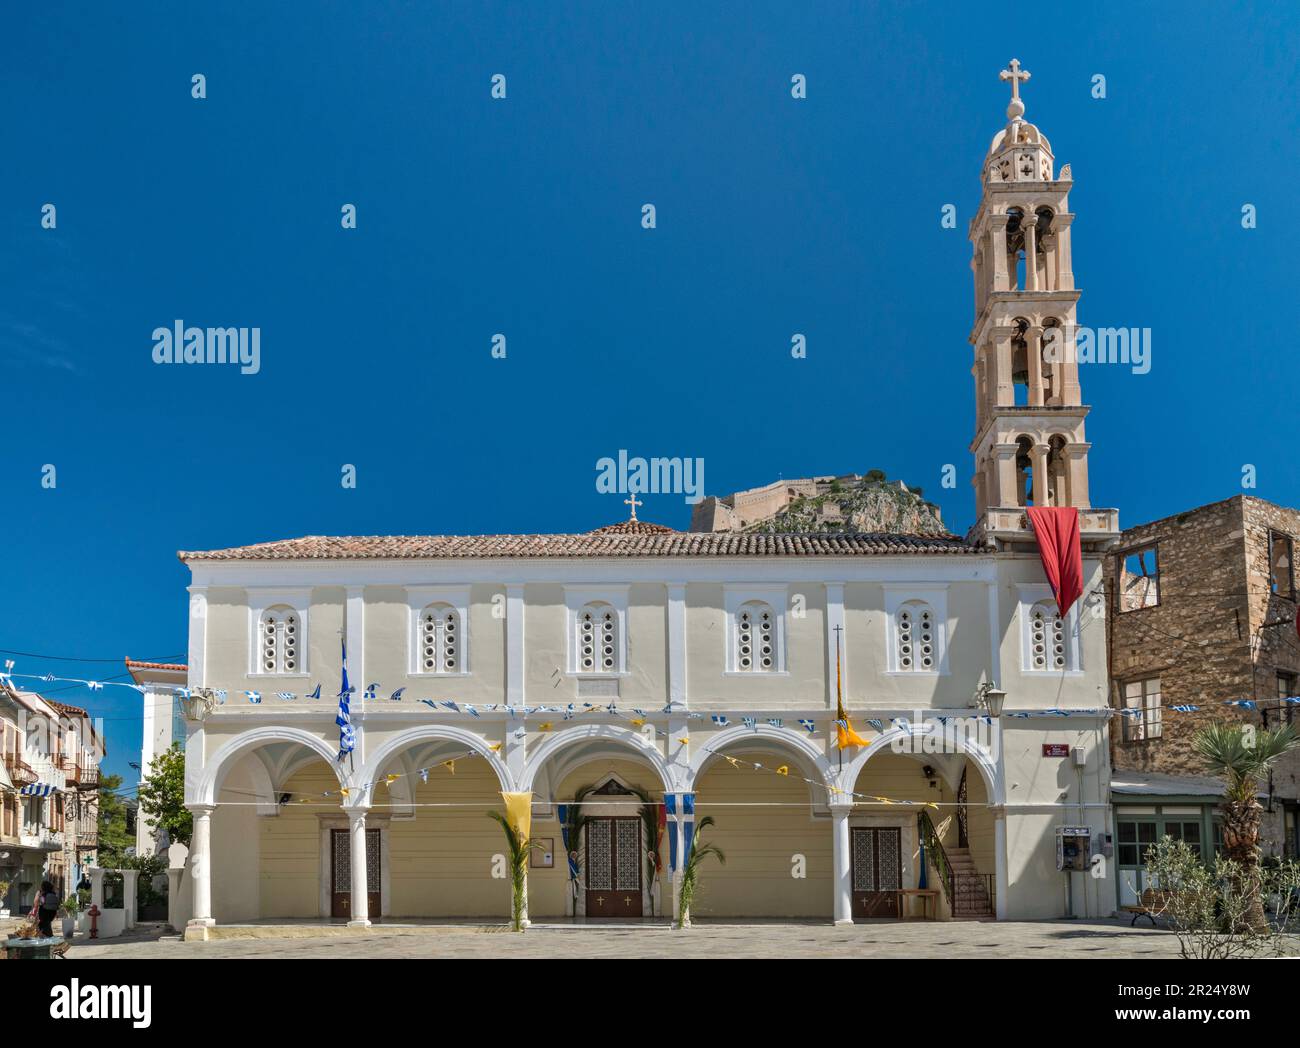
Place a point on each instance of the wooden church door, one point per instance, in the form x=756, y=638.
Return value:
x=613, y=866
x=341, y=874
x=877, y=871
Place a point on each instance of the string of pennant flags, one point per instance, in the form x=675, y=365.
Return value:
x=568, y=711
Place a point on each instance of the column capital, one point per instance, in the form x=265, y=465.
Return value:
x=200, y=809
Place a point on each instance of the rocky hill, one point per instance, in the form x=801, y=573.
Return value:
x=867, y=505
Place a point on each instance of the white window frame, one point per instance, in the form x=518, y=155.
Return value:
x=259, y=602
x=1031, y=594
x=575, y=599
x=417, y=599
x=898, y=594
x=737, y=596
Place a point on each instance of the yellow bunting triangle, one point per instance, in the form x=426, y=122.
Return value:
x=684, y=741
x=638, y=723
x=783, y=770
x=732, y=761
x=495, y=747
x=344, y=791
x=390, y=779
x=545, y=726
x=450, y=766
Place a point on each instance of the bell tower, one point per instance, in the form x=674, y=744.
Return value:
x=1029, y=446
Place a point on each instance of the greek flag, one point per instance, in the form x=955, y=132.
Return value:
x=1293, y=700
x=720, y=720
x=428, y=702
x=1184, y=709
x=424, y=774
x=776, y=722
x=255, y=697
x=749, y=722
x=451, y=706
x=221, y=696
x=286, y=696
x=568, y=712
x=878, y=724
x=807, y=724
x=315, y=694
x=37, y=789
x=612, y=709
x=1245, y=704
x=94, y=685
x=347, y=737
x=370, y=691
x=472, y=711
x=396, y=696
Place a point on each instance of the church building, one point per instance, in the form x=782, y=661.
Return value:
x=633, y=680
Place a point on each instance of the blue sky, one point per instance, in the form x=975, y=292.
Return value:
x=522, y=216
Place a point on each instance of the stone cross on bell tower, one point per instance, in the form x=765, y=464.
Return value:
x=1029, y=446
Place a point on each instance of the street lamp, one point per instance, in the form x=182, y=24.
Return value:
x=989, y=698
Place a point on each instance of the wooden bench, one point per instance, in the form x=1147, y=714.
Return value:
x=1152, y=902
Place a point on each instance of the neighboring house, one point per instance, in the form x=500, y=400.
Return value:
x=82, y=753
x=1203, y=614
x=696, y=670
x=162, y=726
x=35, y=814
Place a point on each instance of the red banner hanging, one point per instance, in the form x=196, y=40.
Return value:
x=1056, y=528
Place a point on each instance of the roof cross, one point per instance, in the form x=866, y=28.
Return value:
x=633, y=502
x=1015, y=74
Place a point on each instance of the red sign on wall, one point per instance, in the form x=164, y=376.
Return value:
x=1056, y=749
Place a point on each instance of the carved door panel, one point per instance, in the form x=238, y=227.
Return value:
x=877, y=871
x=341, y=874
x=613, y=868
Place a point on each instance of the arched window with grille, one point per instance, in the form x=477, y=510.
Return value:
x=1048, y=638
x=280, y=640
x=916, y=638
x=597, y=640
x=755, y=638
x=440, y=648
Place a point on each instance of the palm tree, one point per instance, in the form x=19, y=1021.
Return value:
x=519, y=848
x=1243, y=764
x=699, y=851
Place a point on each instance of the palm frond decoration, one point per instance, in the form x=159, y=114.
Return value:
x=652, y=838
x=699, y=851
x=518, y=849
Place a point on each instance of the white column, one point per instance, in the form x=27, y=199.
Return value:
x=97, y=888
x=1000, y=861
x=1031, y=254
x=360, y=898
x=129, y=879
x=201, y=871
x=842, y=858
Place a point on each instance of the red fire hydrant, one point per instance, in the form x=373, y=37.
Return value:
x=93, y=914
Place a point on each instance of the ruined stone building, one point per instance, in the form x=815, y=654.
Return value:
x=1203, y=613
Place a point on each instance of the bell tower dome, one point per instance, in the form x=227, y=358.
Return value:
x=1029, y=445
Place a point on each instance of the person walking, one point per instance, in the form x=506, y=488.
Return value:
x=47, y=905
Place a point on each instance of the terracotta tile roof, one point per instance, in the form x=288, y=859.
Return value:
x=63, y=707
x=634, y=527
x=602, y=543
x=133, y=664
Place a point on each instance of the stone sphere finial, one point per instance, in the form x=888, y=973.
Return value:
x=1016, y=109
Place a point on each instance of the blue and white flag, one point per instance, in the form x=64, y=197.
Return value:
x=1292, y=700
x=1184, y=709
x=424, y=774
x=749, y=722
x=221, y=694
x=471, y=710
x=568, y=712
x=451, y=706
x=776, y=722
x=94, y=685
x=371, y=690
x=878, y=724
x=38, y=789
x=183, y=693
x=720, y=720
x=286, y=696
x=806, y=724
x=315, y=694
x=428, y=702
x=255, y=697
x=396, y=696
x=1245, y=704
x=347, y=737
x=612, y=709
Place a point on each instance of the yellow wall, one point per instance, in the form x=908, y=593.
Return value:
x=290, y=846
x=760, y=844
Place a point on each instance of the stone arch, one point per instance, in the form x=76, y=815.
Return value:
x=394, y=747
x=637, y=743
x=978, y=755
x=702, y=757
x=215, y=767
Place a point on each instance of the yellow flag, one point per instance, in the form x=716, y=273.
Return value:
x=684, y=741
x=519, y=810
x=783, y=770
x=390, y=779
x=344, y=791
x=638, y=723
x=845, y=736
x=731, y=760
x=495, y=747
x=545, y=726
x=450, y=766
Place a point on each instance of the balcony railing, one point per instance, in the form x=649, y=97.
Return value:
x=79, y=776
x=20, y=772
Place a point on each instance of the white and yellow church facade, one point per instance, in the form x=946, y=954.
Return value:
x=647, y=678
